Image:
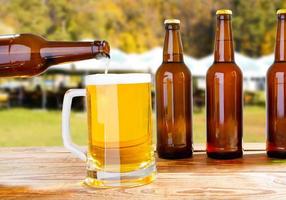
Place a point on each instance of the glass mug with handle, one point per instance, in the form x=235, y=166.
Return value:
x=120, y=150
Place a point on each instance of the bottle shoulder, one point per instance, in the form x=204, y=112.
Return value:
x=31, y=36
x=224, y=68
x=29, y=39
x=276, y=70
x=277, y=67
x=173, y=68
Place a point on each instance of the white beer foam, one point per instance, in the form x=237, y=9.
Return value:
x=107, y=79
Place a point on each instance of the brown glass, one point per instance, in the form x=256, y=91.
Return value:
x=224, y=97
x=28, y=55
x=276, y=99
x=174, y=99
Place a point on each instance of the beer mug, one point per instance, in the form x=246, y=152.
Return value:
x=120, y=150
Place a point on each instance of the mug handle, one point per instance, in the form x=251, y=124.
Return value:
x=73, y=148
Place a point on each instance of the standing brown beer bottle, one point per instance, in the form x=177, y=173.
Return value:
x=28, y=55
x=276, y=94
x=224, y=95
x=173, y=98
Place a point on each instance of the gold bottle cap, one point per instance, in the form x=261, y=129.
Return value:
x=281, y=11
x=223, y=12
x=171, y=21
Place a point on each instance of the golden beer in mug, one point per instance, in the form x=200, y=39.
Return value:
x=120, y=150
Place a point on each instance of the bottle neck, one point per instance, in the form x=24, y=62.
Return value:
x=59, y=52
x=280, y=53
x=224, y=51
x=173, y=48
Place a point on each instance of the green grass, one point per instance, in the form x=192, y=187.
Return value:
x=254, y=125
x=24, y=127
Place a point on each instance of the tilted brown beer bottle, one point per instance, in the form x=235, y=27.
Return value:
x=28, y=55
x=173, y=98
x=224, y=95
x=276, y=94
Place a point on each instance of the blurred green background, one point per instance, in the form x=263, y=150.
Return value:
x=23, y=127
x=134, y=26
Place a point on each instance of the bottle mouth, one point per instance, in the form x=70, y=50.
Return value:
x=103, y=49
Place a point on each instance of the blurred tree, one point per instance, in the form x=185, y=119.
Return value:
x=137, y=25
x=25, y=16
x=197, y=26
x=253, y=24
x=102, y=19
x=61, y=14
x=142, y=24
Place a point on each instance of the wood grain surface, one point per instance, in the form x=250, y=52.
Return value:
x=54, y=173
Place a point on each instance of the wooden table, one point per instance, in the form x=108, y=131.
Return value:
x=53, y=173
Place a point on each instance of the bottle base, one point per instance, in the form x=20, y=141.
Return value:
x=176, y=155
x=225, y=155
x=276, y=154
